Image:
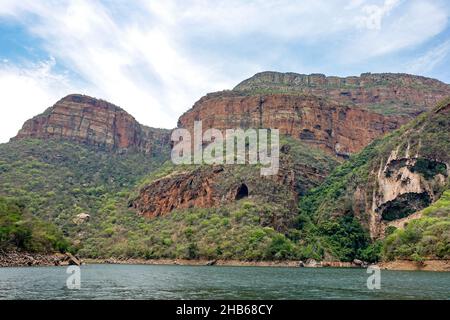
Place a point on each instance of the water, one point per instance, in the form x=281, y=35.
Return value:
x=218, y=282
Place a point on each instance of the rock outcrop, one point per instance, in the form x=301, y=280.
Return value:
x=26, y=259
x=212, y=186
x=403, y=189
x=81, y=218
x=386, y=93
x=396, y=177
x=94, y=122
x=325, y=124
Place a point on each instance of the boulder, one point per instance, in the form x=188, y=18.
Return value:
x=211, y=263
x=312, y=263
x=81, y=218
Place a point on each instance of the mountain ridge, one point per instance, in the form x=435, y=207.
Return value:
x=85, y=156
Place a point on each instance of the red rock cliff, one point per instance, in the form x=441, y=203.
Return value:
x=323, y=123
x=94, y=122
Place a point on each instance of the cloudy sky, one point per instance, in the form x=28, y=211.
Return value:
x=155, y=58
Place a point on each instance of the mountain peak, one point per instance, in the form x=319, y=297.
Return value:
x=94, y=122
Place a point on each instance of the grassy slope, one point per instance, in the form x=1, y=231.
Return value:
x=56, y=180
x=426, y=237
x=19, y=230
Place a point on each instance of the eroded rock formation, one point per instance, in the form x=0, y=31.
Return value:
x=404, y=188
x=214, y=186
x=94, y=122
x=211, y=186
x=322, y=123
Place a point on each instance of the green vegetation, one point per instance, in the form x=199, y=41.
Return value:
x=56, y=180
x=349, y=189
x=342, y=238
x=21, y=231
x=426, y=237
x=235, y=231
x=53, y=181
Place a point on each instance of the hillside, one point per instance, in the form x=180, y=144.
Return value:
x=20, y=230
x=104, y=186
x=391, y=179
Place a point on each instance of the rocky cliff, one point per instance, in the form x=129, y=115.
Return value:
x=392, y=178
x=385, y=93
x=213, y=186
x=94, y=122
x=323, y=123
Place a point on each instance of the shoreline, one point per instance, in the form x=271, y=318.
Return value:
x=404, y=265
x=30, y=259
x=25, y=259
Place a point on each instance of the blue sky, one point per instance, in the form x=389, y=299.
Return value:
x=156, y=58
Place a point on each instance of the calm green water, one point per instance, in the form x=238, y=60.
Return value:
x=184, y=282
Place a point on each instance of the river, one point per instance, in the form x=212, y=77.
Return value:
x=218, y=282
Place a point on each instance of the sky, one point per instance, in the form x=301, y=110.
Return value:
x=156, y=58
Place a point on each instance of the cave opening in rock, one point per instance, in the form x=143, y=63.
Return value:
x=242, y=192
x=404, y=205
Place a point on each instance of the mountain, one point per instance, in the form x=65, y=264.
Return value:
x=106, y=183
x=206, y=186
x=319, y=122
x=96, y=123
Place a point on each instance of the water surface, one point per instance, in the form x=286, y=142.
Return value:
x=218, y=282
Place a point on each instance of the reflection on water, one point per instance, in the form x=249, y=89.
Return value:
x=218, y=282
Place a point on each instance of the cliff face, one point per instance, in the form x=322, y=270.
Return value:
x=94, y=122
x=213, y=186
x=395, y=177
x=322, y=123
x=385, y=93
x=217, y=186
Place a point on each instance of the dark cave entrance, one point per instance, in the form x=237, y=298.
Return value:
x=404, y=205
x=242, y=192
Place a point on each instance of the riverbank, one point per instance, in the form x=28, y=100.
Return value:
x=427, y=265
x=29, y=259
x=25, y=259
x=406, y=265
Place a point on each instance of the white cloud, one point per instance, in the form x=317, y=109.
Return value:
x=431, y=59
x=374, y=14
x=156, y=58
x=137, y=66
x=411, y=25
x=28, y=90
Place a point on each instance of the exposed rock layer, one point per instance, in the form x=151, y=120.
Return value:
x=213, y=186
x=328, y=125
x=407, y=173
x=387, y=93
x=94, y=122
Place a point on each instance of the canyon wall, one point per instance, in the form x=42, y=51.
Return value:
x=333, y=127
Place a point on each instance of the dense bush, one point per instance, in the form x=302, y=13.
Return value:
x=427, y=237
x=19, y=230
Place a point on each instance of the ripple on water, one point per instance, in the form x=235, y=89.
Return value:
x=218, y=282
